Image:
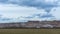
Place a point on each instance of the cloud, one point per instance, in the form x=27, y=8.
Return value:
x=15, y=13
x=21, y=10
x=14, y=10
x=43, y=4
x=3, y=1
x=56, y=12
x=40, y=4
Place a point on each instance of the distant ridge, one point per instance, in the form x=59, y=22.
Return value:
x=32, y=24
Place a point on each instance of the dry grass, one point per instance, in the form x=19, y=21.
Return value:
x=29, y=31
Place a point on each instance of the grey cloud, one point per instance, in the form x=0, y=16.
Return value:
x=40, y=4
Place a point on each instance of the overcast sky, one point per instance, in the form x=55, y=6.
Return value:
x=24, y=10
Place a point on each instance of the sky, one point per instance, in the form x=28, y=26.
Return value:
x=25, y=10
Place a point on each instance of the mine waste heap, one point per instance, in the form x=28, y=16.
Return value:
x=32, y=24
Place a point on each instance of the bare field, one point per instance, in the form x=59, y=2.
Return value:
x=29, y=31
